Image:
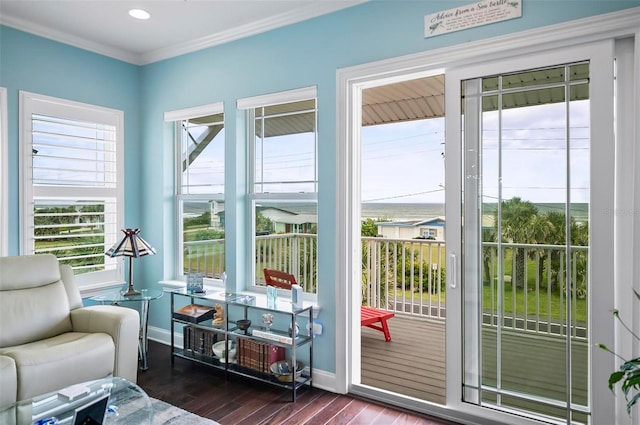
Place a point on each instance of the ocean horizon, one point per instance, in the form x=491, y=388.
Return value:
x=397, y=211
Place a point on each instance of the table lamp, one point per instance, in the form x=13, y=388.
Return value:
x=132, y=246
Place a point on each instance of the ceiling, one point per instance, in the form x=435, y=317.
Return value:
x=181, y=26
x=176, y=27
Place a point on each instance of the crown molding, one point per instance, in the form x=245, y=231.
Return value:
x=312, y=10
x=69, y=39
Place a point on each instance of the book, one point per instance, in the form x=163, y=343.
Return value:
x=199, y=341
x=272, y=336
x=194, y=313
x=258, y=355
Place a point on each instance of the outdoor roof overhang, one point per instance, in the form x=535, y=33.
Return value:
x=423, y=98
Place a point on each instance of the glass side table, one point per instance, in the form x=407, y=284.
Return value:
x=115, y=399
x=115, y=296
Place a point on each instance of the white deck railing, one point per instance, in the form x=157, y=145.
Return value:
x=408, y=276
x=404, y=276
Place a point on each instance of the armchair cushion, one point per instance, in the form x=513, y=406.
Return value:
x=60, y=361
x=34, y=301
x=8, y=381
x=121, y=324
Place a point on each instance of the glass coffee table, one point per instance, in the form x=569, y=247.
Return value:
x=105, y=401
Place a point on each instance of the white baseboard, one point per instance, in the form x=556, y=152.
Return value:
x=321, y=378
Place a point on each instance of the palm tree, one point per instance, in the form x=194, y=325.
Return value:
x=517, y=220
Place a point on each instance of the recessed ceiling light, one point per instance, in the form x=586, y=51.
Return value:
x=139, y=14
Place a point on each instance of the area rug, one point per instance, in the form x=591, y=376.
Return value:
x=163, y=414
x=166, y=414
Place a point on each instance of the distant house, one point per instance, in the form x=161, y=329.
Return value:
x=289, y=222
x=216, y=215
x=432, y=228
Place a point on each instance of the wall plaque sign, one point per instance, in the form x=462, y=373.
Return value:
x=472, y=15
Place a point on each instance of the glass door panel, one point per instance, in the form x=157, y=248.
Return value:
x=527, y=161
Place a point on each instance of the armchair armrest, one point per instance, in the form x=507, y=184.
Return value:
x=123, y=324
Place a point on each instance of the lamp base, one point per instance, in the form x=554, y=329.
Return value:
x=131, y=292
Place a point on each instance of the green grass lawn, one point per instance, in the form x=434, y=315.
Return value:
x=548, y=303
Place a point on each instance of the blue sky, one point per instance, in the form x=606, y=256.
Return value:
x=404, y=162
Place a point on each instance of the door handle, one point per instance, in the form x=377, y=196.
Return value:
x=453, y=270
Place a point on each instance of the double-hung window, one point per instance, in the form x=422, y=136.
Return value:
x=71, y=183
x=283, y=184
x=199, y=170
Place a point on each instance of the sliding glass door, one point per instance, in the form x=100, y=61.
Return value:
x=532, y=149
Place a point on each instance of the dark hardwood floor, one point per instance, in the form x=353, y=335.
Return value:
x=237, y=401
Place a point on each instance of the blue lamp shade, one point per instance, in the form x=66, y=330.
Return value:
x=132, y=246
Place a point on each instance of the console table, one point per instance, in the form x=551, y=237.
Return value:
x=254, y=349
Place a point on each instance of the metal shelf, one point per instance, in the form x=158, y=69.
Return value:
x=230, y=332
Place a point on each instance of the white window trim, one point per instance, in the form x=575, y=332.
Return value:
x=289, y=96
x=53, y=106
x=247, y=105
x=4, y=175
x=196, y=111
x=172, y=117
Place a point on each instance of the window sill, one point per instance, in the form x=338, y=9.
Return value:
x=88, y=291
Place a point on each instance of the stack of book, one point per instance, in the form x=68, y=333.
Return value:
x=257, y=355
x=199, y=341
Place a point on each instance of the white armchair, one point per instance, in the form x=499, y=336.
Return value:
x=48, y=340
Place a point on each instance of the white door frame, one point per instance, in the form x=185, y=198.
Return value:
x=349, y=84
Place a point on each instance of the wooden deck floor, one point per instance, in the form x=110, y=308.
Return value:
x=413, y=363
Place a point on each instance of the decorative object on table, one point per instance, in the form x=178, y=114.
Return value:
x=296, y=296
x=283, y=370
x=194, y=313
x=243, y=324
x=218, y=316
x=220, y=349
x=195, y=283
x=267, y=319
x=245, y=299
x=272, y=296
x=132, y=246
x=297, y=331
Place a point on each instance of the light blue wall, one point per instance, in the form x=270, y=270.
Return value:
x=37, y=65
x=300, y=55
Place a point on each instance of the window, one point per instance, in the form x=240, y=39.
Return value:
x=72, y=186
x=4, y=189
x=199, y=137
x=283, y=183
x=429, y=233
